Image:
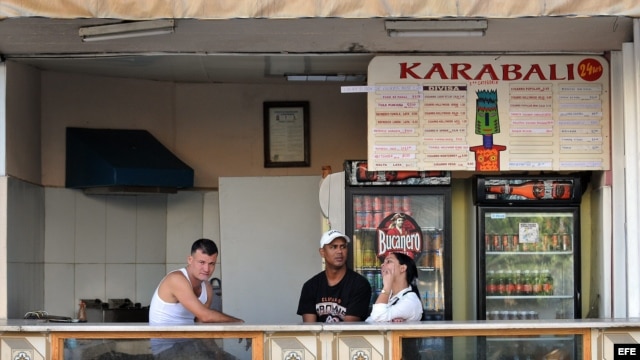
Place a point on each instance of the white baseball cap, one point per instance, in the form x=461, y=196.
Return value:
x=331, y=235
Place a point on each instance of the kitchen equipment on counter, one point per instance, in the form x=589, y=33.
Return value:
x=115, y=310
x=216, y=303
x=43, y=315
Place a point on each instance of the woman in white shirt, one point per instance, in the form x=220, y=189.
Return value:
x=399, y=299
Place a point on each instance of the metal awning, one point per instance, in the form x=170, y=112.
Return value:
x=287, y=9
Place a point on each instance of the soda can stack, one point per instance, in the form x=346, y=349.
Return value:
x=377, y=203
x=361, y=219
x=377, y=218
x=387, y=205
x=358, y=203
x=367, y=203
x=397, y=204
x=369, y=219
x=406, y=205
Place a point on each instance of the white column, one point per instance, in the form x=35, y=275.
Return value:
x=626, y=249
x=3, y=193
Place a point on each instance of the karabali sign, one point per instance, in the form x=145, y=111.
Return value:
x=398, y=232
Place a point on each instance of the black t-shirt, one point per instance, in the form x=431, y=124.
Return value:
x=351, y=296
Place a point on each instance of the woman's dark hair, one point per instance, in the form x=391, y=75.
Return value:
x=208, y=247
x=411, y=274
x=412, y=271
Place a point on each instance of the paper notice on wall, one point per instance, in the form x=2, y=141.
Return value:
x=488, y=113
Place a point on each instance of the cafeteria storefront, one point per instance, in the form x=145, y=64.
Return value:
x=614, y=233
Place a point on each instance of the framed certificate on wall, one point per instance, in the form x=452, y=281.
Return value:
x=286, y=134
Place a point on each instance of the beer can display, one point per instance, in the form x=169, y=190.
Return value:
x=397, y=204
x=361, y=220
x=377, y=218
x=377, y=203
x=406, y=204
x=367, y=203
x=358, y=203
x=402, y=219
x=387, y=205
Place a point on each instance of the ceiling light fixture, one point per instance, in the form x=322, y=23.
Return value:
x=435, y=28
x=126, y=30
x=327, y=77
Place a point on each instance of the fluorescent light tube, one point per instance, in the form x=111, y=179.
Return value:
x=126, y=30
x=430, y=33
x=435, y=28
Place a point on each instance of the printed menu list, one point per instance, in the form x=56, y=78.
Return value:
x=520, y=113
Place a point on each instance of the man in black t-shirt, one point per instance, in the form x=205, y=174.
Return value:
x=337, y=293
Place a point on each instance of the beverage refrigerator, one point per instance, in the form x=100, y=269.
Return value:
x=528, y=257
x=409, y=212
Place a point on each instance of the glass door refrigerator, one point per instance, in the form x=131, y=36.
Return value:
x=528, y=256
x=406, y=211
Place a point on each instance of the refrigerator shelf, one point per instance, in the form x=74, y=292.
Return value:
x=529, y=338
x=498, y=297
x=569, y=252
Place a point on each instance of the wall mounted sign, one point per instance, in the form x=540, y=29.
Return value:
x=488, y=113
x=286, y=134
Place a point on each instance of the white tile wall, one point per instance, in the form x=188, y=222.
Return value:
x=59, y=224
x=102, y=247
x=151, y=229
x=120, y=229
x=59, y=289
x=147, y=278
x=184, y=224
x=90, y=224
x=24, y=288
x=120, y=282
x=121, y=243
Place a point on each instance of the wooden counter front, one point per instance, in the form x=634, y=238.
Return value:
x=34, y=339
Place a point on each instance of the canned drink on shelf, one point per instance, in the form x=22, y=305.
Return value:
x=357, y=248
x=437, y=239
x=566, y=242
x=497, y=246
x=406, y=204
x=377, y=218
x=387, y=205
x=506, y=245
x=532, y=315
x=378, y=277
x=357, y=203
x=515, y=242
x=377, y=203
x=371, y=277
x=369, y=223
x=368, y=258
x=397, y=204
x=361, y=220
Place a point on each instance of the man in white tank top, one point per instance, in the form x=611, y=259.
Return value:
x=184, y=297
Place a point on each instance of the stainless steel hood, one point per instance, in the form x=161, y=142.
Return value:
x=127, y=162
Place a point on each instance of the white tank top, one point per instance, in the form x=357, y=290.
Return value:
x=164, y=313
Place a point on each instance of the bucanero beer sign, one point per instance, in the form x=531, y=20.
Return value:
x=398, y=232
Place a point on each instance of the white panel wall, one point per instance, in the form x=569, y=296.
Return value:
x=102, y=247
x=25, y=248
x=271, y=228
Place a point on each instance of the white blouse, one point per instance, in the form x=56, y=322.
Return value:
x=403, y=305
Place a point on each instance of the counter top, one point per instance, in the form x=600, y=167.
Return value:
x=19, y=325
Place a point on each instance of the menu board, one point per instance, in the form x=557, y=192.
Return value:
x=488, y=113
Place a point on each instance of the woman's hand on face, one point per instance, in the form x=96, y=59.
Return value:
x=387, y=277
